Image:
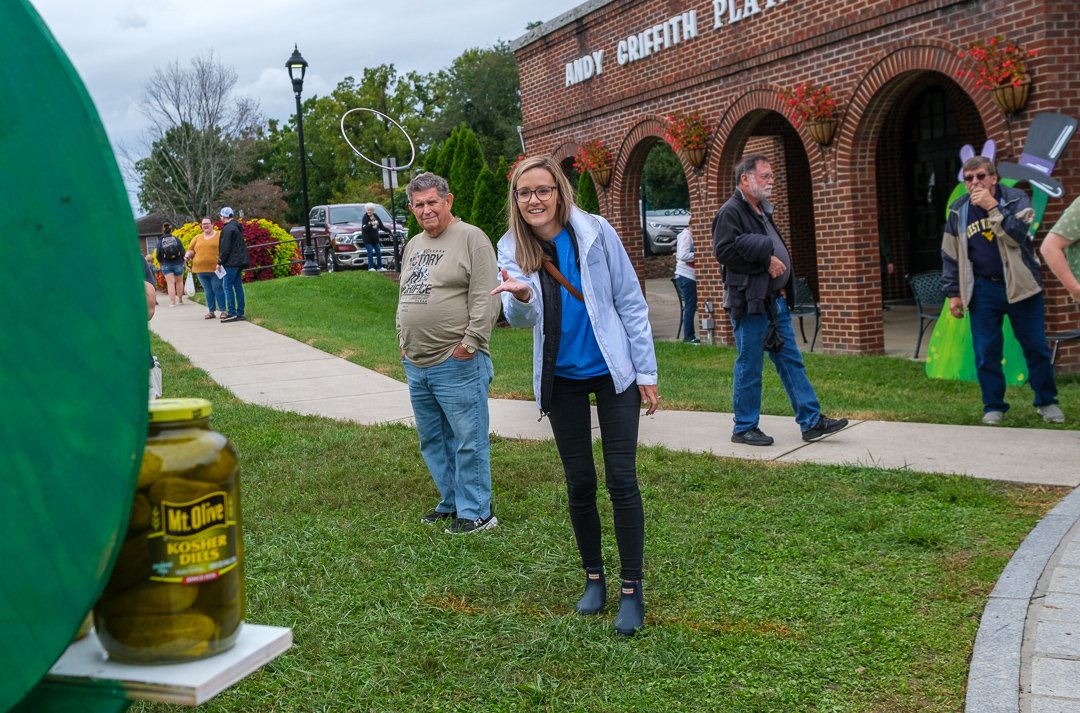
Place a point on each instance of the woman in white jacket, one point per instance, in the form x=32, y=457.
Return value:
x=566, y=274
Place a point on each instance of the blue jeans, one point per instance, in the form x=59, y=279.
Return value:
x=987, y=309
x=688, y=294
x=750, y=340
x=450, y=405
x=234, y=290
x=374, y=255
x=214, y=289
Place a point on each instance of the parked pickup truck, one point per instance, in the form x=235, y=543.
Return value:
x=335, y=234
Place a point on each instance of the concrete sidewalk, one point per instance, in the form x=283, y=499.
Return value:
x=1027, y=653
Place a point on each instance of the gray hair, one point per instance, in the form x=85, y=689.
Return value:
x=369, y=206
x=748, y=164
x=426, y=181
x=976, y=162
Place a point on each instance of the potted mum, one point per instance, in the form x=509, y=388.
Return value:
x=999, y=66
x=815, y=107
x=688, y=133
x=595, y=157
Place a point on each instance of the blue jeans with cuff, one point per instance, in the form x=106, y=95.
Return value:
x=214, y=289
x=746, y=386
x=450, y=406
x=987, y=310
x=234, y=290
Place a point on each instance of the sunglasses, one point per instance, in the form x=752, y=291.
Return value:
x=980, y=176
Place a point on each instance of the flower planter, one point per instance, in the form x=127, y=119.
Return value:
x=822, y=132
x=1011, y=98
x=602, y=176
x=695, y=157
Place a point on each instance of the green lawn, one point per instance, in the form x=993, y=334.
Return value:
x=768, y=588
x=351, y=314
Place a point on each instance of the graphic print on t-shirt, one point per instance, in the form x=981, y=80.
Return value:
x=418, y=285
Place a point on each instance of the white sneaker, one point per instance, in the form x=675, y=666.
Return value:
x=1051, y=413
x=371, y=269
x=993, y=418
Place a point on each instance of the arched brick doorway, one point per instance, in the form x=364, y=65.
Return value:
x=926, y=119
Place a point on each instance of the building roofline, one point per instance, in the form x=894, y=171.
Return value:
x=558, y=23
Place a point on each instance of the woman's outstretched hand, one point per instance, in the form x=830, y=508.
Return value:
x=521, y=291
x=650, y=397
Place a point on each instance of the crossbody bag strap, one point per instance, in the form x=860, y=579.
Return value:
x=549, y=266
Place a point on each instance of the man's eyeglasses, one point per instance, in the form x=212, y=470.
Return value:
x=543, y=193
x=980, y=176
x=764, y=177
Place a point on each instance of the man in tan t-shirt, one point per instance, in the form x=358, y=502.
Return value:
x=444, y=320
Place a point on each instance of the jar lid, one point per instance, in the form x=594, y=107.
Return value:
x=165, y=410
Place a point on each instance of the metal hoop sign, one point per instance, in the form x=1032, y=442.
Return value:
x=412, y=147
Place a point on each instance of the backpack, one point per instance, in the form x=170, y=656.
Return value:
x=171, y=248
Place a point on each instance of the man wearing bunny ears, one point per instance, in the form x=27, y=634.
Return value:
x=989, y=268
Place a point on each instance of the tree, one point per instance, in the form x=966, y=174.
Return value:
x=335, y=173
x=489, y=204
x=665, y=182
x=466, y=167
x=587, y=199
x=480, y=89
x=199, y=140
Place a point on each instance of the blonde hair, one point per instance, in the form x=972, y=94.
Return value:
x=530, y=257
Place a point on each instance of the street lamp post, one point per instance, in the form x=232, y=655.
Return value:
x=297, y=67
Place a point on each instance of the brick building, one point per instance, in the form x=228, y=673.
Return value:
x=612, y=69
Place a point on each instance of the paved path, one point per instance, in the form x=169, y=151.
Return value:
x=1027, y=652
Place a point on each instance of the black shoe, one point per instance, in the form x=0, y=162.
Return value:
x=461, y=526
x=234, y=318
x=435, y=516
x=824, y=427
x=595, y=596
x=631, y=616
x=753, y=437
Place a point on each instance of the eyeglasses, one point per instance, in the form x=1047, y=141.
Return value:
x=543, y=193
x=980, y=176
x=764, y=178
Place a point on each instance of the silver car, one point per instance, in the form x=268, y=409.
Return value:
x=662, y=228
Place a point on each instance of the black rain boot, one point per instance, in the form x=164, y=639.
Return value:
x=631, y=616
x=595, y=596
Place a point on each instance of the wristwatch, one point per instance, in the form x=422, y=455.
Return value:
x=469, y=349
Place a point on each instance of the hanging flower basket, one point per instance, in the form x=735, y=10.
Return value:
x=822, y=132
x=1000, y=67
x=602, y=176
x=695, y=157
x=595, y=157
x=1011, y=98
x=815, y=108
x=688, y=133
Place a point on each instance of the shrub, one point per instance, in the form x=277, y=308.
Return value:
x=277, y=259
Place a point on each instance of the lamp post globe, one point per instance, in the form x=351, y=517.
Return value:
x=297, y=67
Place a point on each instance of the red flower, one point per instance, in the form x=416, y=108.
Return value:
x=996, y=62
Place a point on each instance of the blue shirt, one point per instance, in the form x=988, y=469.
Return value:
x=982, y=243
x=579, y=354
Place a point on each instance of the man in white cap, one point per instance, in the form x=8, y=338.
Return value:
x=233, y=256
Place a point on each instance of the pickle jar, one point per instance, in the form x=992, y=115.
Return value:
x=177, y=590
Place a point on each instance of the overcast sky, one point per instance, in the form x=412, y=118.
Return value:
x=115, y=45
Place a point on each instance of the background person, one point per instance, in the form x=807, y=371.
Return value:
x=444, y=320
x=575, y=356
x=202, y=257
x=686, y=283
x=370, y=226
x=170, y=255
x=989, y=268
x=233, y=256
x=1062, y=252
x=758, y=285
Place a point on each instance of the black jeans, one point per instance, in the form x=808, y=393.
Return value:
x=572, y=427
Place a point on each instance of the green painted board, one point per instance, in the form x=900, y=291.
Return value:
x=75, y=351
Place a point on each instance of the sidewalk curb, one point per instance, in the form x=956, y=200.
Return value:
x=994, y=675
